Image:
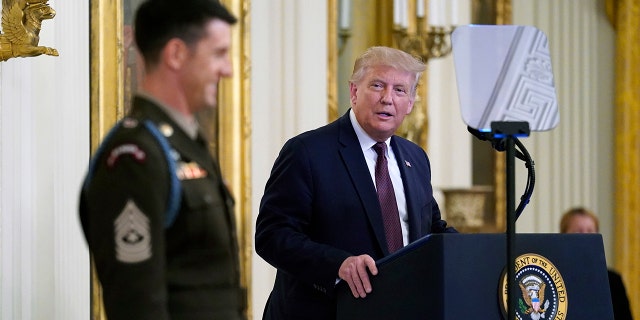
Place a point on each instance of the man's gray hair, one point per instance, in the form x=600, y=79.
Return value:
x=385, y=56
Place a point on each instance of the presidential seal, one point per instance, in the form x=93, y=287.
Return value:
x=541, y=295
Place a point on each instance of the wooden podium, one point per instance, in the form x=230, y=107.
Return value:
x=461, y=276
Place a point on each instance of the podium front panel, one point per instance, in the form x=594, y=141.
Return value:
x=457, y=276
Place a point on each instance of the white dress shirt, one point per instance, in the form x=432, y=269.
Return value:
x=366, y=143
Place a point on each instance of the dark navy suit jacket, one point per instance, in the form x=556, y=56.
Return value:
x=320, y=207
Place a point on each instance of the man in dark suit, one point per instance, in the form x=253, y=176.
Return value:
x=321, y=216
x=154, y=209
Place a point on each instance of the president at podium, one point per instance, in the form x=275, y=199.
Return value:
x=347, y=194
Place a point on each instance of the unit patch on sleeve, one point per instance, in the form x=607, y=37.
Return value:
x=132, y=235
x=125, y=149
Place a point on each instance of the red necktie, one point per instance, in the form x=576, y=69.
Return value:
x=387, y=198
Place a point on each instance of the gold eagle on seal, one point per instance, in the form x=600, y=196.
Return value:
x=533, y=295
x=21, y=23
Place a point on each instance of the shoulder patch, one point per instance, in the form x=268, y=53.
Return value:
x=125, y=149
x=132, y=234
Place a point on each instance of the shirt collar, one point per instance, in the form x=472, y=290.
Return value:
x=187, y=123
x=366, y=142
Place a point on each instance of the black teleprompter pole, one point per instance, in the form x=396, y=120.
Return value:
x=509, y=130
x=511, y=228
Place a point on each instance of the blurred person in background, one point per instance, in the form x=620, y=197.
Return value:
x=582, y=220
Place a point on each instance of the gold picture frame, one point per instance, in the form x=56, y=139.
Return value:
x=114, y=74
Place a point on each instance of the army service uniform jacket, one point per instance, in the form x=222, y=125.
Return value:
x=159, y=223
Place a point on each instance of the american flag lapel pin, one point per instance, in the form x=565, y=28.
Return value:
x=407, y=163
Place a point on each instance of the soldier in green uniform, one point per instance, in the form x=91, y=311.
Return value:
x=154, y=209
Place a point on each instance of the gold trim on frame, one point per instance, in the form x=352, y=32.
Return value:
x=234, y=135
x=332, y=54
x=229, y=129
x=106, y=95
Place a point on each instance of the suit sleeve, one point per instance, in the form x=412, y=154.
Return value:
x=123, y=203
x=438, y=225
x=284, y=226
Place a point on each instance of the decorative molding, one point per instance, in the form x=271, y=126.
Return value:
x=21, y=24
x=234, y=135
x=107, y=94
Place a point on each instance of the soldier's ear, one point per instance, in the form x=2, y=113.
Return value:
x=175, y=53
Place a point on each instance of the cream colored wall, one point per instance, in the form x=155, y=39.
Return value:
x=44, y=147
x=289, y=95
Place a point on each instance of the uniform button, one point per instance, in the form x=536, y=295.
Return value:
x=208, y=199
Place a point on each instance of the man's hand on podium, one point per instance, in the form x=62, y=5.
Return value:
x=354, y=271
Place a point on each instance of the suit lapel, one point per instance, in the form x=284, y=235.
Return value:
x=353, y=158
x=410, y=182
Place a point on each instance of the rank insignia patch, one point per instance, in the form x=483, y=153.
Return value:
x=541, y=294
x=132, y=235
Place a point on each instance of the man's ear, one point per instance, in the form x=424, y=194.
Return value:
x=175, y=53
x=413, y=100
x=353, y=89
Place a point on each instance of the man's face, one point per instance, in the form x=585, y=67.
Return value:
x=208, y=63
x=381, y=100
x=581, y=224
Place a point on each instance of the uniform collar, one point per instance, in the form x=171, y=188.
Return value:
x=188, y=124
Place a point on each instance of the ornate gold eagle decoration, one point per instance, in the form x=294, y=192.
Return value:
x=21, y=22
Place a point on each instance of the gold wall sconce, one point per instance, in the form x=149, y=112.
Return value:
x=427, y=36
x=21, y=23
x=417, y=30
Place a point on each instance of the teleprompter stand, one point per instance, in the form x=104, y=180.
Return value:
x=510, y=131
